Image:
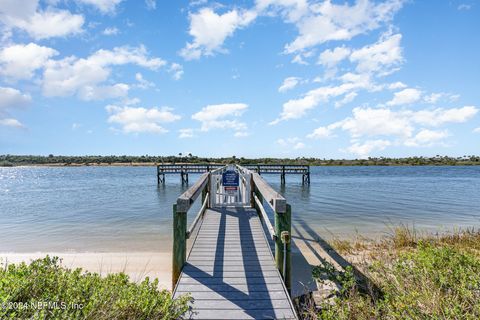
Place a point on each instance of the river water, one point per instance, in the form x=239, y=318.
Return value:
x=116, y=209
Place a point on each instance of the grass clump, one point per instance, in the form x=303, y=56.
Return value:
x=44, y=289
x=430, y=277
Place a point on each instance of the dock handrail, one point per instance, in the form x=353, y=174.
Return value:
x=188, y=197
x=273, y=198
x=264, y=217
x=180, y=232
x=282, y=219
x=197, y=218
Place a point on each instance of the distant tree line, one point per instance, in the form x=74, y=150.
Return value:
x=16, y=160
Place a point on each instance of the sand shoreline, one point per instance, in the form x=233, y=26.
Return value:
x=137, y=265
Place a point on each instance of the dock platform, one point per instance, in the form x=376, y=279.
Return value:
x=232, y=270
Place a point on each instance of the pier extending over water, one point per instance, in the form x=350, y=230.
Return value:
x=185, y=168
x=230, y=270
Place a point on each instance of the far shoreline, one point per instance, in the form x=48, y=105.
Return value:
x=51, y=160
x=154, y=164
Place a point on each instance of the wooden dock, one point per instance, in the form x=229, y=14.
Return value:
x=230, y=271
x=185, y=168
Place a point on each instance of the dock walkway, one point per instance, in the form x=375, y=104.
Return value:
x=230, y=271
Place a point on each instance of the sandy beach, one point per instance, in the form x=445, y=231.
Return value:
x=137, y=265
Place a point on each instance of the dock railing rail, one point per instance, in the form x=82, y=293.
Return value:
x=280, y=233
x=185, y=168
x=180, y=232
x=260, y=192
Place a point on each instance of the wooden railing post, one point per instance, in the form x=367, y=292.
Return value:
x=206, y=190
x=179, y=255
x=282, y=224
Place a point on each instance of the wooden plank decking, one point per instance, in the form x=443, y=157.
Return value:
x=230, y=271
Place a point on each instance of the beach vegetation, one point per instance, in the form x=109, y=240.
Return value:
x=45, y=289
x=415, y=276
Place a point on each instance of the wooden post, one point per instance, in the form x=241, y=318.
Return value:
x=179, y=244
x=205, y=191
x=252, y=192
x=158, y=174
x=283, y=223
x=282, y=175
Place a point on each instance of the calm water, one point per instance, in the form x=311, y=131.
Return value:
x=122, y=209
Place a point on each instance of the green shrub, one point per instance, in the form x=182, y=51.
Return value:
x=44, y=289
x=434, y=280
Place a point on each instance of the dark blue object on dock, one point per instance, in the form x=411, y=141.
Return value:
x=230, y=178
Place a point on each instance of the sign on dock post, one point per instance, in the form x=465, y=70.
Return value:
x=230, y=181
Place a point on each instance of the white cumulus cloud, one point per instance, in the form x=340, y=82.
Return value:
x=330, y=58
x=406, y=96
x=86, y=77
x=176, y=70
x=10, y=122
x=289, y=83
x=39, y=24
x=141, y=120
x=297, y=108
x=222, y=116
x=426, y=138
x=377, y=124
x=209, y=30
x=185, y=133
x=439, y=116
x=291, y=143
x=381, y=57
x=327, y=21
x=19, y=61
x=11, y=98
x=111, y=31
x=362, y=150
x=104, y=6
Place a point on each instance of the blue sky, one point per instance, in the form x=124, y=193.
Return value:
x=279, y=78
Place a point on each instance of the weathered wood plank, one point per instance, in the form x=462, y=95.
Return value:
x=233, y=274
x=189, y=268
x=230, y=271
x=239, y=259
x=244, y=314
x=275, y=199
x=228, y=263
x=233, y=250
x=251, y=255
x=231, y=304
x=186, y=280
x=188, y=197
x=210, y=294
x=229, y=288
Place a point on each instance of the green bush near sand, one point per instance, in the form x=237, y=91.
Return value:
x=44, y=289
x=436, y=277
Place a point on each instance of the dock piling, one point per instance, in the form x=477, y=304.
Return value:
x=179, y=255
